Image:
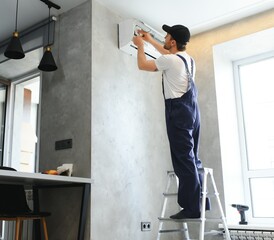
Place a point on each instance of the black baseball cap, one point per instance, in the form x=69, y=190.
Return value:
x=179, y=33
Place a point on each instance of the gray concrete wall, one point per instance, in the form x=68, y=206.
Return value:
x=66, y=113
x=130, y=152
x=66, y=95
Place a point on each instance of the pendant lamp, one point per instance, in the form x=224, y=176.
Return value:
x=14, y=49
x=47, y=62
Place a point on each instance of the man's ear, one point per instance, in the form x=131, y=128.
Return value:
x=173, y=43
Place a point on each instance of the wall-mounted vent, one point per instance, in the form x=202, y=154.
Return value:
x=128, y=29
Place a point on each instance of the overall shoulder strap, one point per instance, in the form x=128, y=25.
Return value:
x=184, y=60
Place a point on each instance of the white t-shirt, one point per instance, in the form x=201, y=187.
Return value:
x=174, y=73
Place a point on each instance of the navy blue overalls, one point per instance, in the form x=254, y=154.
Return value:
x=183, y=128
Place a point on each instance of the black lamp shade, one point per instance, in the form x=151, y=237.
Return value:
x=14, y=49
x=47, y=62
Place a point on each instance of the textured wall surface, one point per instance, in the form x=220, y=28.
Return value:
x=130, y=152
x=118, y=127
x=66, y=95
x=66, y=113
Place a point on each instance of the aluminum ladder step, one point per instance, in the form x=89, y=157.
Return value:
x=170, y=194
x=190, y=220
x=172, y=230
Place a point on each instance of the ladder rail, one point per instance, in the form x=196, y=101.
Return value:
x=186, y=233
x=165, y=200
x=204, y=193
x=184, y=229
x=220, y=208
x=170, y=174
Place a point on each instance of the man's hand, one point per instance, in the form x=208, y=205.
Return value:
x=138, y=41
x=145, y=35
x=143, y=63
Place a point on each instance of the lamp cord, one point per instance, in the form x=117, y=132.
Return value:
x=16, y=16
x=48, y=25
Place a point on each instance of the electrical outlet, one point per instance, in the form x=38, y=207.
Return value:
x=145, y=226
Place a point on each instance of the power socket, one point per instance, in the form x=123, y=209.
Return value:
x=145, y=226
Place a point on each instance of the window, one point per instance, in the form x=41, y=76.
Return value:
x=243, y=175
x=24, y=136
x=21, y=151
x=254, y=86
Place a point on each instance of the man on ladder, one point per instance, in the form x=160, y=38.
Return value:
x=182, y=112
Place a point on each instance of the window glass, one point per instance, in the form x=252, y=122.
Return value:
x=257, y=86
x=24, y=134
x=255, y=101
x=262, y=193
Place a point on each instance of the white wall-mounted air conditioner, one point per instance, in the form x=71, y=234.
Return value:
x=126, y=31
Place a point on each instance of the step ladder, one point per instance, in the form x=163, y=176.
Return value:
x=206, y=172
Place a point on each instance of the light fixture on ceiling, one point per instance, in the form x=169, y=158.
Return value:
x=47, y=62
x=14, y=49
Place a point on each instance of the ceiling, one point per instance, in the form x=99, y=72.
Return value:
x=197, y=15
x=30, y=12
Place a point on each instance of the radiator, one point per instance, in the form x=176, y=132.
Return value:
x=250, y=234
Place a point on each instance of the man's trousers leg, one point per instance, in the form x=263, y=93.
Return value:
x=180, y=126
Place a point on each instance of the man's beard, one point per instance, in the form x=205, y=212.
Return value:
x=167, y=47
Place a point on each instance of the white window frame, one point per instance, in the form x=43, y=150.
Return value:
x=224, y=56
x=9, y=118
x=247, y=174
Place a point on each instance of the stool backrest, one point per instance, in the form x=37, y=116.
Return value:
x=12, y=197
